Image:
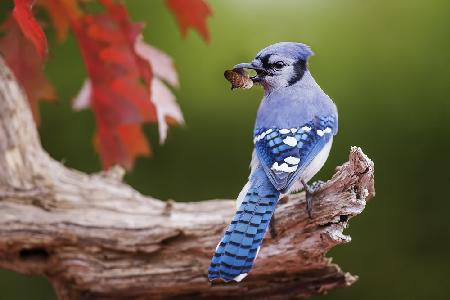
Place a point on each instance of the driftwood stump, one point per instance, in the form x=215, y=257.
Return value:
x=95, y=237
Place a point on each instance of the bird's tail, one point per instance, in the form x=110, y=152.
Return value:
x=240, y=245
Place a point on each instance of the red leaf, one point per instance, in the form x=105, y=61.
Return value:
x=126, y=142
x=30, y=27
x=61, y=13
x=167, y=109
x=26, y=64
x=119, y=84
x=191, y=13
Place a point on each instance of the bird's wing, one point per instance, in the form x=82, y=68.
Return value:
x=286, y=152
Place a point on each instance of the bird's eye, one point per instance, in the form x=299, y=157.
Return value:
x=278, y=65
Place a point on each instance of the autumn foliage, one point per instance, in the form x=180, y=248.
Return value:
x=128, y=79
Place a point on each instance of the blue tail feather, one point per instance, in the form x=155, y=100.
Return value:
x=238, y=248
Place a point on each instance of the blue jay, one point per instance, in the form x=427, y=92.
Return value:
x=294, y=130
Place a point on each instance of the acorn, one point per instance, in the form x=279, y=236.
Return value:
x=238, y=78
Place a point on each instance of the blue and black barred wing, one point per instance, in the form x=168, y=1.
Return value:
x=285, y=152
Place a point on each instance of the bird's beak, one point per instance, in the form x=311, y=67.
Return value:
x=260, y=72
x=244, y=66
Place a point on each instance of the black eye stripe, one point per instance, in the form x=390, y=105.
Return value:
x=265, y=61
x=268, y=65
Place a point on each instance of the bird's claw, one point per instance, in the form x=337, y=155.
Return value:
x=316, y=185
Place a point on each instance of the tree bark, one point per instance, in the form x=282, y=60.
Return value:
x=95, y=237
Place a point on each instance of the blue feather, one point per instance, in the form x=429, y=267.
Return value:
x=237, y=250
x=308, y=143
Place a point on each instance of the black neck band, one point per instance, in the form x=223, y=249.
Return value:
x=299, y=71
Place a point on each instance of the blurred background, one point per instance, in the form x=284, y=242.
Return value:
x=386, y=65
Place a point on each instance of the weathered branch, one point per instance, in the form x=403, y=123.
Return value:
x=95, y=237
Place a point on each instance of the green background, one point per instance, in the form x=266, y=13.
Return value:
x=385, y=63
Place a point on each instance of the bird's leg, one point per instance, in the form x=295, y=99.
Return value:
x=309, y=198
x=310, y=190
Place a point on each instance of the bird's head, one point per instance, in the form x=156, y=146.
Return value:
x=279, y=65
